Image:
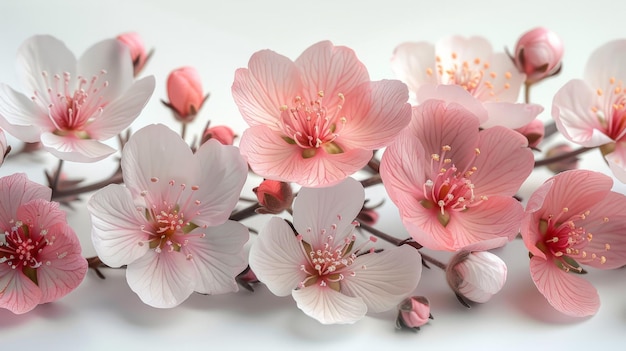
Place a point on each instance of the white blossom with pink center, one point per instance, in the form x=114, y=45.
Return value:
x=169, y=223
x=466, y=71
x=333, y=276
x=71, y=105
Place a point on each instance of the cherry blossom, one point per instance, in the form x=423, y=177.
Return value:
x=72, y=105
x=40, y=255
x=331, y=275
x=315, y=121
x=169, y=223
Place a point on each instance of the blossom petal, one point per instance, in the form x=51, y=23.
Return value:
x=412, y=62
x=218, y=257
x=455, y=49
x=20, y=117
x=70, y=148
x=117, y=226
x=18, y=293
x=510, y=115
x=17, y=190
x=108, y=58
x=161, y=280
x=384, y=279
x=504, y=80
x=276, y=257
x=453, y=94
x=604, y=63
x=43, y=215
x=329, y=306
x=566, y=292
x=617, y=161
x=530, y=223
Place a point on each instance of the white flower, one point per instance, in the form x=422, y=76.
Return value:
x=331, y=277
x=476, y=275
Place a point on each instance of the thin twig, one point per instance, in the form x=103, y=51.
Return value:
x=549, y=160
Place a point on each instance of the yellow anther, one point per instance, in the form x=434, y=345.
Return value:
x=493, y=75
x=507, y=75
x=599, y=92
x=476, y=61
x=429, y=71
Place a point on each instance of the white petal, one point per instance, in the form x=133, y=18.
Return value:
x=318, y=209
x=384, y=279
x=161, y=280
x=606, y=62
x=116, y=226
x=218, y=257
x=20, y=117
x=329, y=306
x=111, y=56
x=76, y=150
x=411, y=63
x=509, y=114
x=276, y=257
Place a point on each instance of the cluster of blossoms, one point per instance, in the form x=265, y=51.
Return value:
x=456, y=148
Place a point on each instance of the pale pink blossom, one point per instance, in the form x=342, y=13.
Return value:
x=453, y=183
x=470, y=70
x=315, y=121
x=574, y=218
x=184, y=90
x=40, y=256
x=331, y=275
x=538, y=54
x=72, y=105
x=138, y=55
x=592, y=111
x=169, y=223
x=476, y=275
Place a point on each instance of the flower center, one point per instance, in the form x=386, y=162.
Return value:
x=308, y=125
x=610, y=110
x=20, y=250
x=451, y=189
x=566, y=241
x=70, y=110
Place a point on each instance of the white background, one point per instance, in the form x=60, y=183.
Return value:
x=219, y=37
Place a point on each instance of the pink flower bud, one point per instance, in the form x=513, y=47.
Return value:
x=534, y=132
x=274, y=196
x=184, y=89
x=368, y=214
x=137, y=50
x=538, y=53
x=4, y=147
x=476, y=275
x=413, y=313
x=565, y=164
x=223, y=134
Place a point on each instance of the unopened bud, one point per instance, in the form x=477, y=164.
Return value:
x=476, y=275
x=274, y=196
x=534, y=132
x=413, y=312
x=538, y=54
x=368, y=214
x=137, y=50
x=223, y=134
x=566, y=164
x=184, y=90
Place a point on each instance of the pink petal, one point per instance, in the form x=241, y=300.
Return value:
x=604, y=63
x=217, y=257
x=453, y=94
x=504, y=80
x=329, y=306
x=617, y=161
x=161, y=280
x=121, y=112
x=530, y=223
x=566, y=292
x=16, y=190
x=384, y=279
x=411, y=62
x=271, y=81
x=377, y=115
x=70, y=148
x=423, y=226
x=276, y=257
x=18, y=293
x=117, y=226
x=20, y=116
x=402, y=168
x=465, y=49
x=110, y=56
x=510, y=115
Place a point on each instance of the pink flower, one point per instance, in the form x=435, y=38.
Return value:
x=138, y=53
x=476, y=275
x=315, y=121
x=538, y=54
x=454, y=184
x=184, y=89
x=591, y=112
x=224, y=134
x=169, y=223
x=413, y=313
x=72, y=105
x=573, y=219
x=333, y=278
x=273, y=196
x=469, y=68
x=40, y=256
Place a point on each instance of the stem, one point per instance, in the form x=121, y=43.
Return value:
x=183, y=130
x=388, y=238
x=374, y=164
x=527, y=92
x=245, y=213
x=57, y=176
x=434, y=261
x=547, y=161
x=373, y=180
x=114, y=179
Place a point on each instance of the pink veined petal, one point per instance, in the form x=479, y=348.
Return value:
x=453, y=94
x=321, y=209
x=388, y=114
x=110, y=56
x=329, y=306
x=121, y=112
x=411, y=63
x=530, y=223
x=224, y=171
x=506, y=80
x=70, y=148
x=15, y=190
x=117, y=226
x=63, y=267
x=384, y=279
x=276, y=257
x=271, y=81
x=504, y=162
x=604, y=63
x=217, y=257
x=617, y=161
x=423, y=226
x=566, y=292
x=42, y=213
x=161, y=280
x=18, y=293
x=510, y=115
x=572, y=112
x=20, y=117
x=43, y=53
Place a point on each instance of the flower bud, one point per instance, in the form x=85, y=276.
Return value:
x=534, y=132
x=4, y=147
x=538, y=53
x=246, y=278
x=274, y=196
x=368, y=214
x=413, y=313
x=565, y=164
x=223, y=134
x=138, y=53
x=476, y=275
x=184, y=89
